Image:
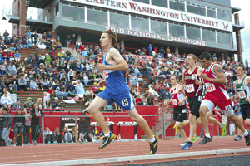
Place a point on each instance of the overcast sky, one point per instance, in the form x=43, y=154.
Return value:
x=243, y=14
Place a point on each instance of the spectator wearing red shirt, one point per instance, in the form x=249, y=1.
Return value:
x=138, y=100
x=155, y=50
x=11, y=56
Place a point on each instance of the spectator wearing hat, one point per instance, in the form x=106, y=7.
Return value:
x=18, y=123
x=28, y=103
x=22, y=83
x=56, y=104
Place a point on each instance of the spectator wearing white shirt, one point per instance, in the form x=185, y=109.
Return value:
x=5, y=99
x=85, y=79
x=70, y=75
x=49, y=137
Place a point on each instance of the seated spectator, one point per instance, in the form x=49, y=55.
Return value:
x=22, y=84
x=18, y=123
x=150, y=99
x=74, y=134
x=56, y=104
x=90, y=78
x=70, y=75
x=59, y=45
x=64, y=80
x=28, y=103
x=85, y=79
x=67, y=136
x=3, y=70
x=71, y=88
x=49, y=136
x=48, y=60
x=33, y=84
x=6, y=100
x=11, y=56
x=57, y=136
x=14, y=83
x=79, y=88
x=18, y=104
x=144, y=102
x=12, y=70
x=40, y=103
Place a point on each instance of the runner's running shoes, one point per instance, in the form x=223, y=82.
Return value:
x=153, y=145
x=205, y=140
x=106, y=140
x=238, y=138
x=248, y=138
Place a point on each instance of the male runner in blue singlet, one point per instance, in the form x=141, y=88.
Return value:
x=116, y=90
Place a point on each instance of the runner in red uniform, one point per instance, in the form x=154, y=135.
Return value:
x=215, y=81
x=194, y=90
x=180, y=109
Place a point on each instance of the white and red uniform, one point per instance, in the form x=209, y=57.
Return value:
x=176, y=97
x=191, y=88
x=216, y=94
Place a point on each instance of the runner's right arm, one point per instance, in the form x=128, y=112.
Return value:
x=235, y=97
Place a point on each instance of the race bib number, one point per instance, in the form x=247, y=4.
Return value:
x=125, y=102
x=174, y=101
x=184, y=111
x=194, y=76
x=190, y=88
x=210, y=87
x=242, y=94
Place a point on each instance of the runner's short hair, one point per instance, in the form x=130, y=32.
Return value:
x=193, y=56
x=242, y=66
x=205, y=55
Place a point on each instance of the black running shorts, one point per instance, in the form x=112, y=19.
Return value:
x=195, y=103
x=180, y=113
x=245, y=109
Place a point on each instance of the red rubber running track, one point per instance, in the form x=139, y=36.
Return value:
x=63, y=152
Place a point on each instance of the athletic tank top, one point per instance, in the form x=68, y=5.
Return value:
x=242, y=91
x=176, y=97
x=191, y=88
x=214, y=90
x=114, y=79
